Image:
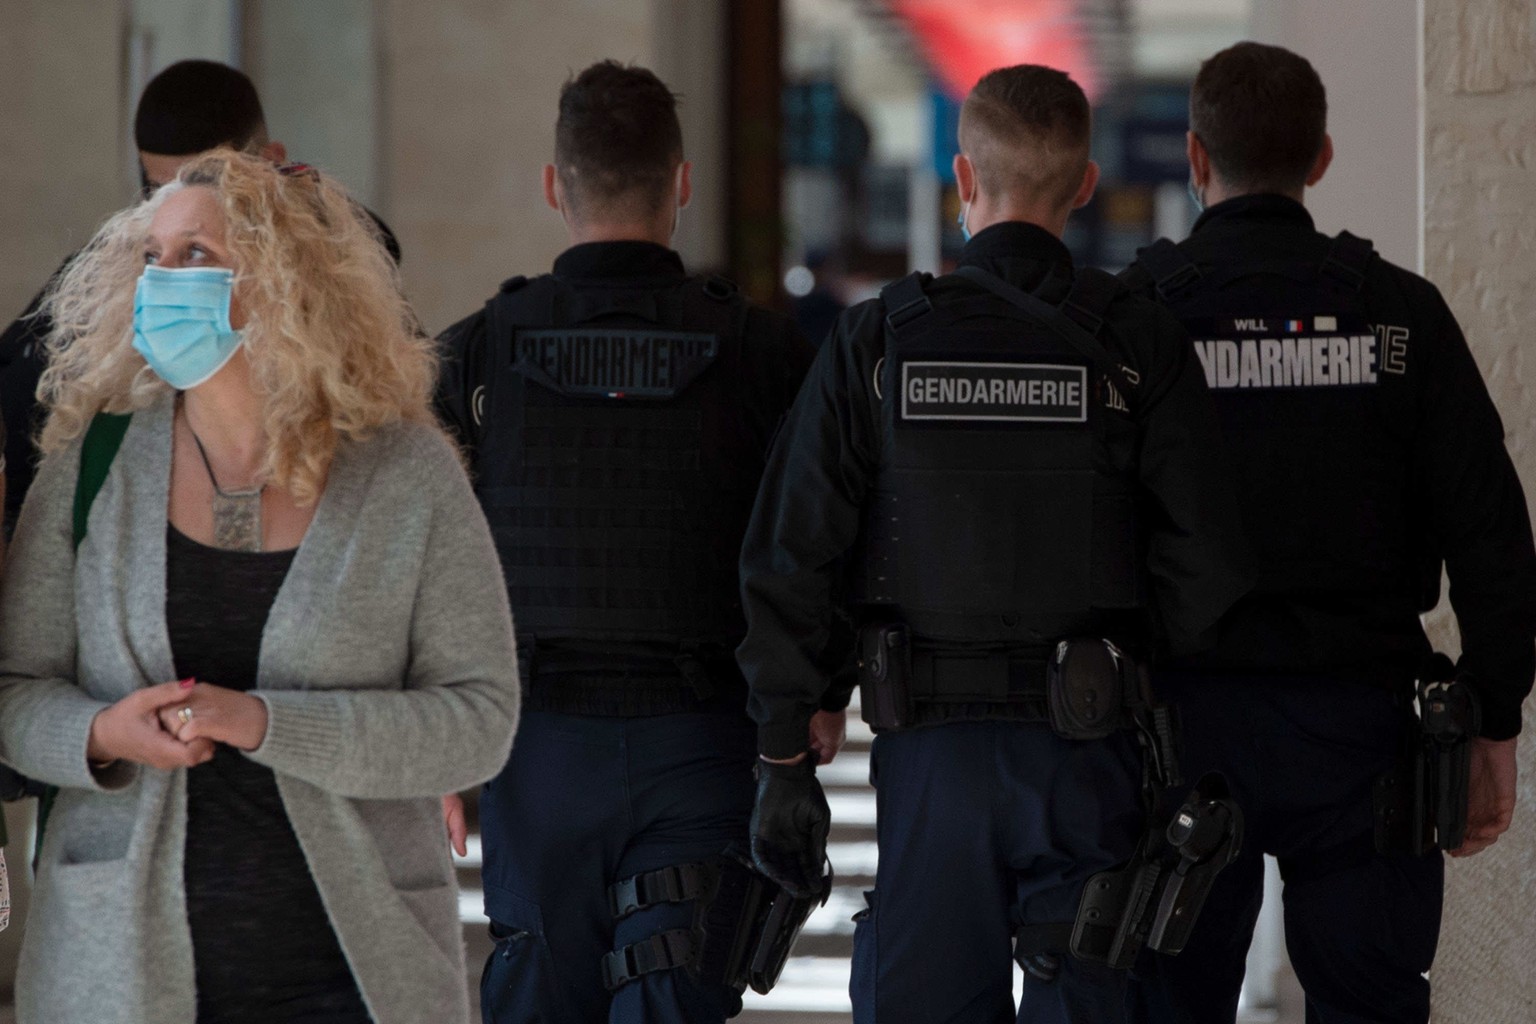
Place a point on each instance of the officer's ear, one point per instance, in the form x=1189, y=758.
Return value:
x=1320, y=165
x=1199, y=161
x=965, y=178
x=552, y=187
x=1085, y=190
x=684, y=184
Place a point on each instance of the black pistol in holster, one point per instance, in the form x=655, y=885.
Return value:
x=1422, y=803
x=1153, y=900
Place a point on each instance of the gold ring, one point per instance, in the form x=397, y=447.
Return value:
x=185, y=715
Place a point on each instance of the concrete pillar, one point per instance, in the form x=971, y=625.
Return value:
x=1480, y=247
x=314, y=67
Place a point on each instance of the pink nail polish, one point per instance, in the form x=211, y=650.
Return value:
x=188, y=683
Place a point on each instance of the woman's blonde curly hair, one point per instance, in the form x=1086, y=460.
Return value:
x=331, y=341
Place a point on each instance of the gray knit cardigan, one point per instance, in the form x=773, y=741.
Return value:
x=388, y=670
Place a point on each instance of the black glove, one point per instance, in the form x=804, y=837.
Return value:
x=789, y=826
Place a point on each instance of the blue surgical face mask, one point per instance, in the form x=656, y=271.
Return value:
x=965, y=230
x=181, y=323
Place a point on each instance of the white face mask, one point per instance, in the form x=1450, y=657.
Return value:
x=1196, y=196
x=677, y=210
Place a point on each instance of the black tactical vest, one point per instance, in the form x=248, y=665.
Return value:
x=616, y=467
x=1004, y=508
x=1319, y=412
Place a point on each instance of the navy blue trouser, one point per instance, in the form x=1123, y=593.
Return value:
x=1301, y=757
x=984, y=826
x=586, y=801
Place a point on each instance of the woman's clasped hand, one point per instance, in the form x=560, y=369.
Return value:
x=176, y=725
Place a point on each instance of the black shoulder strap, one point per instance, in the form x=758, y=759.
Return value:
x=1169, y=268
x=1089, y=298
x=905, y=301
x=102, y=440
x=1348, y=259
x=1077, y=321
x=502, y=309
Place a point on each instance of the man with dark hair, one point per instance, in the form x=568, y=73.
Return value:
x=617, y=414
x=194, y=106
x=1369, y=454
x=189, y=108
x=1011, y=474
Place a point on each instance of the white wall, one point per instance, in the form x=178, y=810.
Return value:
x=61, y=116
x=315, y=67
x=1367, y=52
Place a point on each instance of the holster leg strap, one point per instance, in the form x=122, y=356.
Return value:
x=675, y=883
x=1038, y=948
x=663, y=951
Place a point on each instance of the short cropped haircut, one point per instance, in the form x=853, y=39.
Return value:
x=1261, y=113
x=197, y=105
x=617, y=141
x=1025, y=129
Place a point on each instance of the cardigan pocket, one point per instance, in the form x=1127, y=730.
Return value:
x=79, y=913
x=78, y=905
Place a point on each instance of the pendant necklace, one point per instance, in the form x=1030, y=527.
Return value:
x=236, y=514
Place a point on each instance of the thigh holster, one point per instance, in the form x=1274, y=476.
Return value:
x=1153, y=900
x=1421, y=803
x=742, y=930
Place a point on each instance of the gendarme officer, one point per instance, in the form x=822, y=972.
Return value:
x=1011, y=473
x=617, y=414
x=1368, y=453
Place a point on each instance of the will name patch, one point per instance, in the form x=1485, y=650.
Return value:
x=615, y=363
x=1021, y=392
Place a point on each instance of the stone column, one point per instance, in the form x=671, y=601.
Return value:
x=1480, y=248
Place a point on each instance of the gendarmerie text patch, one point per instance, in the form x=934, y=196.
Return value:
x=1017, y=392
x=614, y=363
x=1289, y=352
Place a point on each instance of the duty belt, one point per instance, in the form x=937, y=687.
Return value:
x=963, y=676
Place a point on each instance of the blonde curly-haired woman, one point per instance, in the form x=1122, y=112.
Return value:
x=281, y=637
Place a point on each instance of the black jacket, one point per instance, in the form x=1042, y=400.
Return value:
x=1402, y=469
x=811, y=510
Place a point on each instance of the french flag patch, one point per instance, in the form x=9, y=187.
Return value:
x=1295, y=326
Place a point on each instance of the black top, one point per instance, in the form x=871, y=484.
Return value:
x=1392, y=474
x=739, y=403
x=263, y=947
x=812, y=506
